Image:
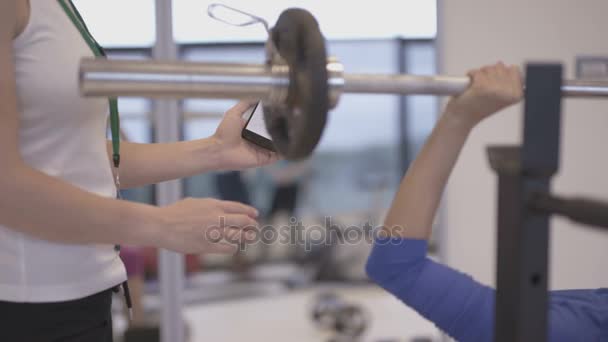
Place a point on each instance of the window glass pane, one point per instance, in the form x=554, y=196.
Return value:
x=116, y=23
x=356, y=162
x=421, y=109
x=377, y=19
x=348, y=126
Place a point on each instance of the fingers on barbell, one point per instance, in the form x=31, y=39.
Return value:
x=502, y=70
x=474, y=74
x=497, y=73
x=478, y=78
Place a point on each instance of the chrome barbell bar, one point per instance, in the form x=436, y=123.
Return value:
x=112, y=78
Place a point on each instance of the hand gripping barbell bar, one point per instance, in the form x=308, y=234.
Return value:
x=298, y=83
x=109, y=78
x=113, y=78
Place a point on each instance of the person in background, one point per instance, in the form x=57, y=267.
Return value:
x=232, y=187
x=287, y=177
x=457, y=304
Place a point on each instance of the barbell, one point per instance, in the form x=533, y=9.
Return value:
x=297, y=83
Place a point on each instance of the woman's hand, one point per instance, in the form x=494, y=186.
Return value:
x=235, y=153
x=492, y=88
x=205, y=226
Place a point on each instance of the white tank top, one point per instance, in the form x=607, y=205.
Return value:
x=63, y=135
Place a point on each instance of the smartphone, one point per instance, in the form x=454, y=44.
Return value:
x=255, y=128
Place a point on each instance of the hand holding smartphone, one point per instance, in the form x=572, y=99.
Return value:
x=255, y=128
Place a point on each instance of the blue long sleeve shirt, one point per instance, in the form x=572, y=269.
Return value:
x=464, y=308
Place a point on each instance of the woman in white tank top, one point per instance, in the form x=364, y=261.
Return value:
x=59, y=218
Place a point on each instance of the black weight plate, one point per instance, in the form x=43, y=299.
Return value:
x=297, y=126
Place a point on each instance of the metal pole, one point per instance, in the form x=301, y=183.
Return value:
x=584, y=88
x=404, y=84
x=167, y=128
x=523, y=233
x=404, y=138
x=177, y=79
x=224, y=80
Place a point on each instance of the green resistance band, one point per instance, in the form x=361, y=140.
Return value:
x=71, y=11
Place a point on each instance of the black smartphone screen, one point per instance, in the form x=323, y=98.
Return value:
x=255, y=128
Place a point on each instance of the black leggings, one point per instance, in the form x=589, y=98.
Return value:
x=88, y=319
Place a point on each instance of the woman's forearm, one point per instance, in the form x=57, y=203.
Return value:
x=492, y=89
x=413, y=209
x=51, y=209
x=143, y=164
